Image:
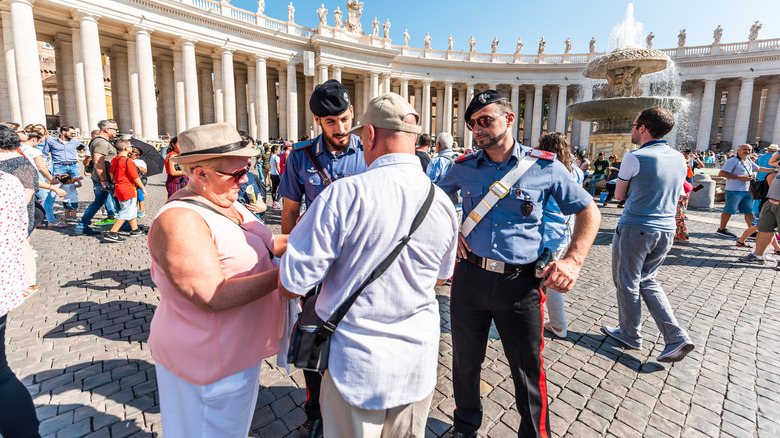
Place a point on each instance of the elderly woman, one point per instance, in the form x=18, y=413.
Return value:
x=219, y=314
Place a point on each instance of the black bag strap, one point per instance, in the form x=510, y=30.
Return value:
x=326, y=181
x=330, y=325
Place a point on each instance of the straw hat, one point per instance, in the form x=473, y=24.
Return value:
x=215, y=140
x=771, y=148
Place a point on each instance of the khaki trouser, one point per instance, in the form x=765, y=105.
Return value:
x=342, y=420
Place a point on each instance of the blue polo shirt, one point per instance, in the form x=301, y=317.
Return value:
x=506, y=233
x=61, y=152
x=300, y=178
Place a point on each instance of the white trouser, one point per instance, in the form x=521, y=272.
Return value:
x=555, y=313
x=222, y=409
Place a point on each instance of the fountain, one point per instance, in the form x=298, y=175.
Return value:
x=622, y=97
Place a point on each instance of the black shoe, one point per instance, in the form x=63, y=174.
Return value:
x=455, y=434
x=108, y=236
x=136, y=232
x=90, y=232
x=726, y=233
x=311, y=429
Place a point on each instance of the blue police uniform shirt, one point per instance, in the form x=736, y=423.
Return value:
x=505, y=233
x=301, y=178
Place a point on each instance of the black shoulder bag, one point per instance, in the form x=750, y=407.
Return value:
x=758, y=188
x=310, y=343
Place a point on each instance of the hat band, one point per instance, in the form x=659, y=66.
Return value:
x=215, y=150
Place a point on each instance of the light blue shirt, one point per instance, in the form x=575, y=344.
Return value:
x=61, y=152
x=763, y=161
x=558, y=227
x=440, y=165
x=385, y=351
x=506, y=233
x=656, y=174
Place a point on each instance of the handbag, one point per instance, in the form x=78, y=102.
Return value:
x=310, y=343
x=759, y=189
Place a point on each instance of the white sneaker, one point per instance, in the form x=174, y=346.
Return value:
x=559, y=333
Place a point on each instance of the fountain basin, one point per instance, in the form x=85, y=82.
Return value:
x=615, y=115
x=647, y=60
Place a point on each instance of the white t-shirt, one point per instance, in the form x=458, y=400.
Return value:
x=71, y=192
x=274, y=163
x=140, y=163
x=738, y=167
x=31, y=154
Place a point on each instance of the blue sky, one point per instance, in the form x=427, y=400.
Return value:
x=555, y=20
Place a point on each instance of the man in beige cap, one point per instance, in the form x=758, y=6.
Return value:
x=384, y=353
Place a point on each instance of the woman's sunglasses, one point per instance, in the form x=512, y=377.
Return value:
x=237, y=175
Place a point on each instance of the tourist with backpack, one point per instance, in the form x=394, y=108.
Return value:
x=124, y=173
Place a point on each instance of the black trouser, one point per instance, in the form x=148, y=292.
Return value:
x=17, y=412
x=515, y=303
x=313, y=383
x=275, y=180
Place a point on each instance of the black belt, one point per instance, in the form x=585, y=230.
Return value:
x=497, y=266
x=65, y=163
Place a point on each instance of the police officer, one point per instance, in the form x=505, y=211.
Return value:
x=311, y=166
x=498, y=248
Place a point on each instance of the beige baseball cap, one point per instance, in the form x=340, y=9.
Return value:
x=388, y=111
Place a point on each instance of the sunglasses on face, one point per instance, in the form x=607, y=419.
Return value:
x=482, y=121
x=237, y=175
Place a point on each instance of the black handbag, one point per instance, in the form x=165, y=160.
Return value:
x=310, y=342
x=759, y=189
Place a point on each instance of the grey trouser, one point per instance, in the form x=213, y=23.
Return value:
x=636, y=256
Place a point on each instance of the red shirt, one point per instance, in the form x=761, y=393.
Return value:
x=123, y=172
x=283, y=161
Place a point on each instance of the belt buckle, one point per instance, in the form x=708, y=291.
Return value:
x=493, y=265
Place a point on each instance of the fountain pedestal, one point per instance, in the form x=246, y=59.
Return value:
x=610, y=144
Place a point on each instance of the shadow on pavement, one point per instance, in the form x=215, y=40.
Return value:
x=118, y=320
x=122, y=279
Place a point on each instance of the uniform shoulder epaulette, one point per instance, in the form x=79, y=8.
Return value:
x=544, y=155
x=466, y=157
x=303, y=144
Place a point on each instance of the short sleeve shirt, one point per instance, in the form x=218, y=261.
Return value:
x=99, y=145
x=123, y=173
x=738, y=167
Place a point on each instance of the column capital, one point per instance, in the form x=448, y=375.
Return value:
x=337, y=67
x=63, y=37
x=427, y=81
x=80, y=15
x=182, y=41
x=226, y=50
x=374, y=74
x=135, y=29
x=26, y=2
x=260, y=58
x=448, y=83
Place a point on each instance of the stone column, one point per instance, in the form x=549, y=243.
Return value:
x=730, y=114
x=323, y=74
x=135, y=98
x=68, y=108
x=308, y=115
x=146, y=87
x=190, y=72
x=705, y=119
x=536, y=127
x=292, y=102
x=425, y=115
x=262, y=99
x=405, y=89
x=462, y=104
x=755, y=114
x=242, y=112
x=61, y=85
x=418, y=100
x=743, y=113
x=439, y=118
x=716, y=114
x=251, y=98
x=768, y=133
x=385, y=83
x=447, y=108
x=180, y=99
x=575, y=133
x=337, y=73
x=367, y=91
x=28, y=68
x=11, y=89
x=93, y=68
x=560, y=116
x=219, y=95
x=692, y=126
x=515, y=100
x=467, y=134
x=273, y=108
x=283, y=110
x=374, y=89
x=168, y=96
x=228, y=87
x=585, y=127
x=776, y=130
x=206, y=95
x=552, y=110
x=528, y=116
x=357, y=100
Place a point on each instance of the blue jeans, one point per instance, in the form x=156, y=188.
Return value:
x=48, y=198
x=70, y=169
x=102, y=197
x=636, y=256
x=596, y=178
x=17, y=417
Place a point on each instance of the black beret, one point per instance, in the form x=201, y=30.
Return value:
x=329, y=99
x=483, y=99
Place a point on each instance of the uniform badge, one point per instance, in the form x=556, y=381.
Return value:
x=482, y=98
x=346, y=97
x=518, y=192
x=527, y=207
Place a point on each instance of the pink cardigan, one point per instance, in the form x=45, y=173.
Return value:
x=202, y=347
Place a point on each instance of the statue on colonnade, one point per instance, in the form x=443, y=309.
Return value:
x=649, y=40
x=354, y=12
x=754, y=31
x=290, y=13
x=592, y=45
x=427, y=40
x=260, y=6
x=406, y=37
x=494, y=45
x=472, y=44
x=386, y=29
x=568, y=45
x=681, y=37
x=375, y=27
x=717, y=34
x=323, y=14
x=450, y=42
x=519, y=46
x=542, y=43
x=337, y=17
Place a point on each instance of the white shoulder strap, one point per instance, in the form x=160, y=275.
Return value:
x=498, y=190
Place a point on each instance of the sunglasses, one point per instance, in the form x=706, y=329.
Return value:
x=482, y=121
x=237, y=175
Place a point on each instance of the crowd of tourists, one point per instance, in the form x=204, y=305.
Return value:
x=359, y=218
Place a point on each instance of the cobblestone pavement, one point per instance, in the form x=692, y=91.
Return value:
x=79, y=345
